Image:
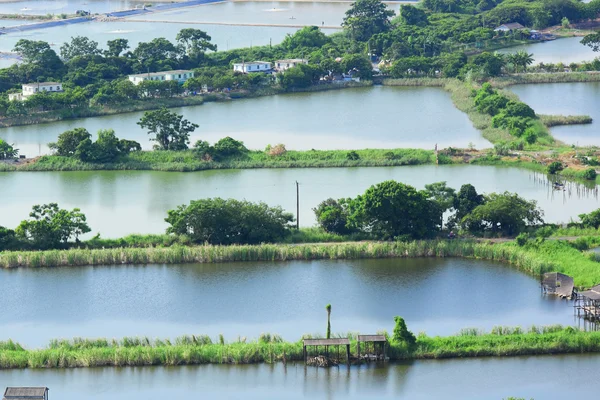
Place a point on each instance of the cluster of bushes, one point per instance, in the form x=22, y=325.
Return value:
x=7, y=151
x=77, y=143
x=392, y=210
x=223, y=149
x=556, y=166
x=516, y=116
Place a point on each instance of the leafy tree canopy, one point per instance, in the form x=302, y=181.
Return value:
x=171, y=131
x=366, y=18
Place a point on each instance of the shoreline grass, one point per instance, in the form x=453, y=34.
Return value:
x=546, y=77
x=196, y=350
x=534, y=258
x=559, y=120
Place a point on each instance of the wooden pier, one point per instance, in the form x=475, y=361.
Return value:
x=325, y=343
x=587, y=304
x=558, y=284
x=378, y=345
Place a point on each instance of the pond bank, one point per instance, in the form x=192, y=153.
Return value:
x=194, y=350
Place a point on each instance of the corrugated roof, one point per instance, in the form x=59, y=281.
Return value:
x=326, y=342
x=42, y=84
x=25, y=392
x=177, y=71
x=592, y=294
x=372, y=338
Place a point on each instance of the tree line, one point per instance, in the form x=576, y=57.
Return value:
x=387, y=211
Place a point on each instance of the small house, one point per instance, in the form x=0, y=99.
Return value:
x=255, y=66
x=26, y=393
x=282, y=65
x=180, y=75
x=29, y=89
x=513, y=26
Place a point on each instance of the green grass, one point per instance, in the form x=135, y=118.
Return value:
x=554, y=77
x=534, y=258
x=193, y=350
x=184, y=161
x=558, y=120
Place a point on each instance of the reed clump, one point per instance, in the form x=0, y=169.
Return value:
x=193, y=350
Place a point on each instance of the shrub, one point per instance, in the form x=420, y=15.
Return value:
x=589, y=174
x=277, y=150
x=522, y=239
x=554, y=167
x=401, y=334
x=352, y=155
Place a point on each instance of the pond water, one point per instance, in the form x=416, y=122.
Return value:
x=260, y=12
x=565, y=50
x=566, y=99
x=13, y=22
x=118, y=203
x=555, y=377
x=42, y=7
x=371, y=117
x=247, y=299
x=225, y=37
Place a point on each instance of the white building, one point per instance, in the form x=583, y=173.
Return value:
x=255, y=66
x=513, y=26
x=29, y=89
x=282, y=65
x=180, y=75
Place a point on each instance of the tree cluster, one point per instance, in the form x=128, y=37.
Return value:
x=392, y=210
x=77, y=143
x=220, y=221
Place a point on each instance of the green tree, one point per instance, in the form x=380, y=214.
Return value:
x=554, y=167
x=307, y=37
x=401, y=334
x=392, y=209
x=7, y=238
x=195, y=41
x=36, y=52
x=332, y=216
x=229, y=147
x=219, y=221
x=489, y=64
x=443, y=196
x=505, y=213
x=80, y=46
x=591, y=220
x=366, y=18
x=67, y=142
x=116, y=47
x=359, y=64
x=411, y=15
x=51, y=227
x=171, y=131
x=466, y=200
x=7, y=150
x=592, y=40
x=590, y=174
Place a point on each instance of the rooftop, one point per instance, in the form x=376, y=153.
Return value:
x=326, y=342
x=36, y=84
x=293, y=60
x=372, y=338
x=512, y=25
x=177, y=71
x=25, y=392
x=254, y=62
x=592, y=294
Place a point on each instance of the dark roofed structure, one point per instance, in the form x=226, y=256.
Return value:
x=378, y=347
x=558, y=284
x=509, y=27
x=26, y=393
x=315, y=343
x=588, y=303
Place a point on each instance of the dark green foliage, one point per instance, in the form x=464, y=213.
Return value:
x=67, y=142
x=401, y=335
x=228, y=147
x=309, y=37
x=505, y=213
x=352, y=155
x=328, y=308
x=77, y=143
x=589, y=174
x=394, y=210
x=7, y=151
x=592, y=40
x=332, y=216
x=301, y=76
x=554, y=167
x=522, y=239
x=51, y=227
x=366, y=18
x=466, y=201
x=357, y=64
x=591, y=220
x=219, y=221
x=411, y=15
x=7, y=238
x=170, y=130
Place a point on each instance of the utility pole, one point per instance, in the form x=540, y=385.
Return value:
x=297, y=206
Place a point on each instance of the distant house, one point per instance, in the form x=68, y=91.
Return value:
x=29, y=89
x=180, y=75
x=282, y=65
x=26, y=393
x=255, y=66
x=513, y=26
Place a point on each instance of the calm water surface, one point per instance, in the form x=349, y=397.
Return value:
x=122, y=202
x=247, y=299
x=566, y=50
x=543, y=378
x=225, y=37
x=566, y=99
x=373, y=117
x=42, y=7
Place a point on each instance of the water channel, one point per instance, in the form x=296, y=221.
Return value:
x=43, y=7
x=566, y=99
x=566, y=51
x=539, y=378
x=117, y=203
x=372, y=117
x=247, y=299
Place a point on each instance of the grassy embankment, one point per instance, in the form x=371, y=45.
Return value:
x=187, y=161
x=153, y=104
x=191, y=350
x=532, y=258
